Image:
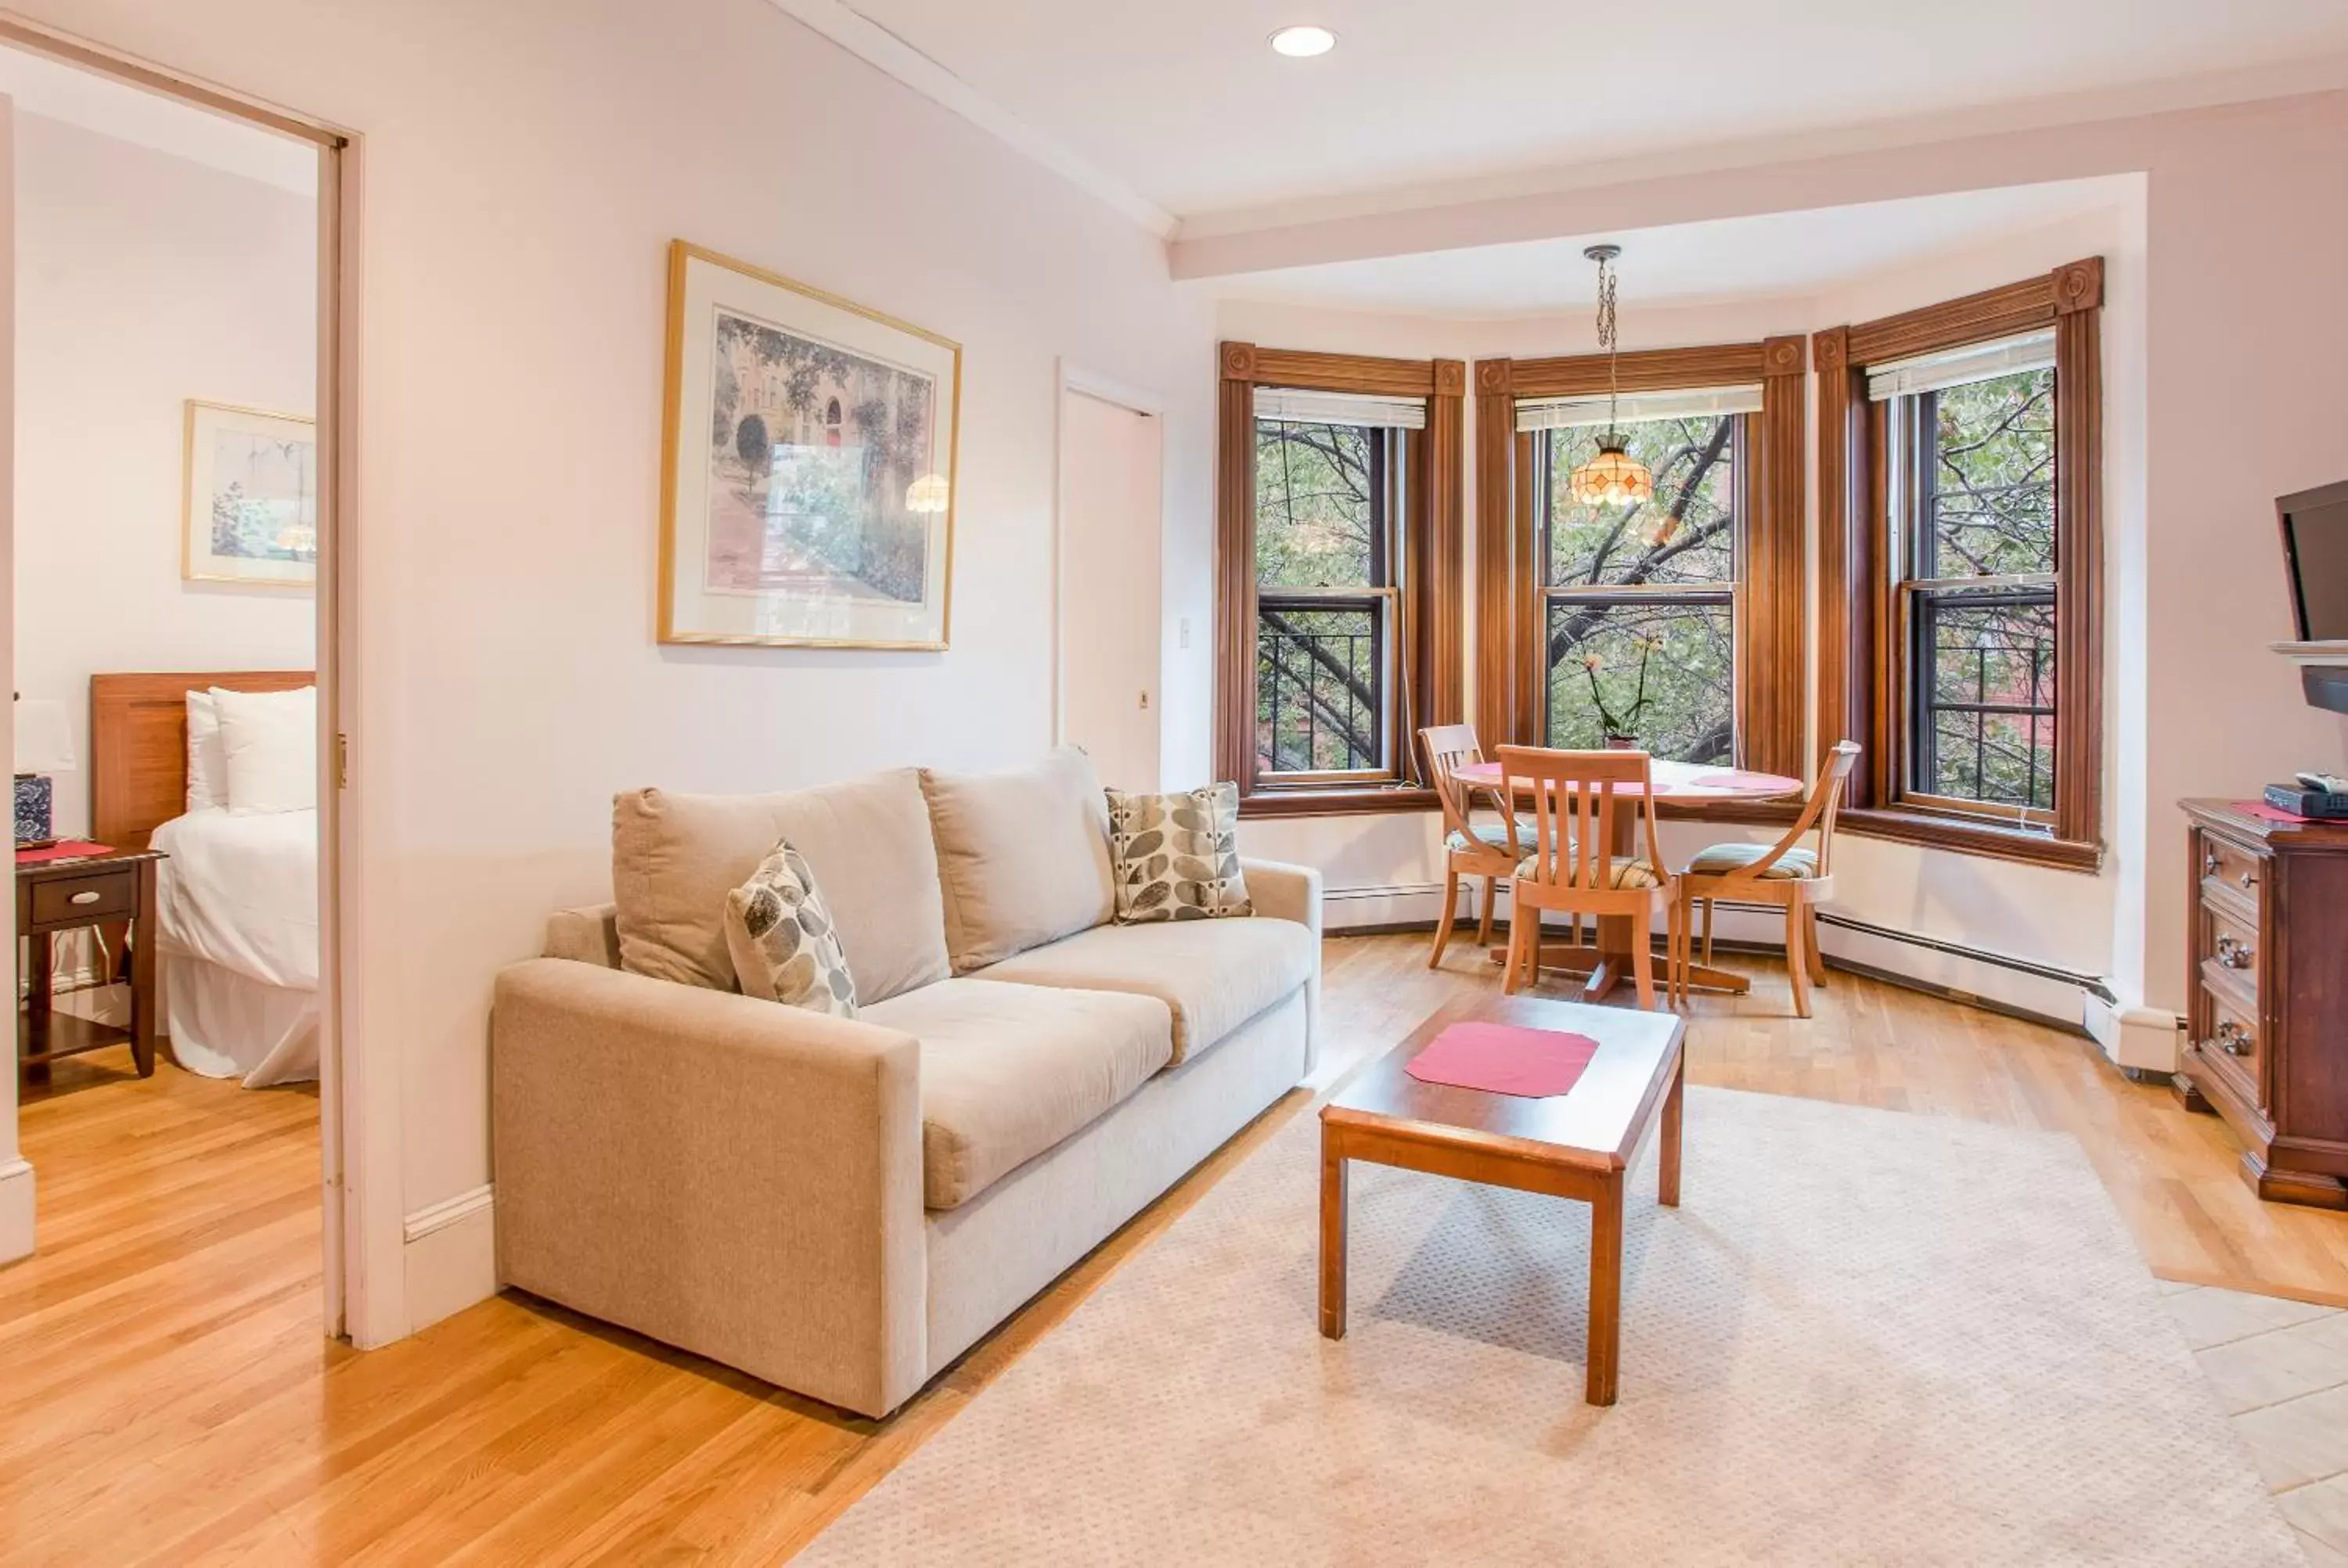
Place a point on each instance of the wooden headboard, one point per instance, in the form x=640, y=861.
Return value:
x=139, y=745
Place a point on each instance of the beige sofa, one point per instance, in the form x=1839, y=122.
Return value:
x=844, y=1207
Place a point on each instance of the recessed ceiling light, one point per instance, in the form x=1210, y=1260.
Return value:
x=1304, y=43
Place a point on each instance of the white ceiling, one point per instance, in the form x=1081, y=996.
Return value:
x=1182, y=107
x=1777, y=254
x=40, y=86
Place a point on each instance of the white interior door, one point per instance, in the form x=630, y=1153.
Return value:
x=1111, y=473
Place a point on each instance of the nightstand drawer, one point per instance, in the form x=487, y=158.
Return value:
x=74, y=899
x=2229, y=871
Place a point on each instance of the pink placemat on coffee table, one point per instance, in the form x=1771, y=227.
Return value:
x=1502, y=1059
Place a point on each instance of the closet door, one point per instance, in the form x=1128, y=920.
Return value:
x=1109, y=636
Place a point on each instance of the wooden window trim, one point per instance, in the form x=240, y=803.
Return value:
x=1772, y=698
x=1855, y=623
x=1429, y=531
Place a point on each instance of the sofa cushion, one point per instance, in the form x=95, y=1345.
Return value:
x=1215, y=974
x=1022, y=856
x=1008, y=1072
x=675, y=857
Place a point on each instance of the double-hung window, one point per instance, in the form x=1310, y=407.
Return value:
x=1330, y=475
x=1338, y=576
x=1971, y=519
x=1637, y=619
x=1960, y=568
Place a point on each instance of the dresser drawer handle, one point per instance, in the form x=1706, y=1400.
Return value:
x=2233, y=1038
x=2248, y=878
x=2210, y=862
x=2234, y=955
x=89, y=897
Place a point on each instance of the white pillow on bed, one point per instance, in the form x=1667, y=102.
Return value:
x=206, y=763
x=269, y=741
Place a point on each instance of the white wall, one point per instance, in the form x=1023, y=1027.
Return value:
x=524, y=167
x=142, y=280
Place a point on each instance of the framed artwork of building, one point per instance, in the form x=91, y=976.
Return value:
x=249, y=497
x=808, y=468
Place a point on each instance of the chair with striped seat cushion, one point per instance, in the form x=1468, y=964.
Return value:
x=1490, y=835
x=1622, y=871
x=1786, y=872
x=1722, y=858
x=1473, y=846
x=1595, y=853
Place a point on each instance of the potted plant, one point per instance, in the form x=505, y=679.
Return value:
x=1620, y=728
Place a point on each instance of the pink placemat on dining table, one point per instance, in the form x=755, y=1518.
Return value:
x=1737, y=778
x=1502, y=1059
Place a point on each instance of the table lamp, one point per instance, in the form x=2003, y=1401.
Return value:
x=44, y=746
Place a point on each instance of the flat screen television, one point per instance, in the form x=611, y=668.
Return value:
x=2315, y=552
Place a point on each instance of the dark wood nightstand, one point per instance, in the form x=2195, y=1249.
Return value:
x=68, y=894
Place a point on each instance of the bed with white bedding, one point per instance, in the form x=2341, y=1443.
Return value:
x=238, y=901
x=218, y=771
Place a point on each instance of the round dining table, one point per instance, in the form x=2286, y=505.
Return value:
x=1685, y=784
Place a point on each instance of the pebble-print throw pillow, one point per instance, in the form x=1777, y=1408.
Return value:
x=782, y=940
x=1177, y=856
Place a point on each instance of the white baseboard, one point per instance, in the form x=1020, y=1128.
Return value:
x=15, y=1210
x=1353, y=909
x=450, y=1256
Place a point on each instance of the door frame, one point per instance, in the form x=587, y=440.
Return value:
x=359, y=1176
x=1108, y=389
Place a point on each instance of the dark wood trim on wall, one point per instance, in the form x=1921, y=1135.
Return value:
x=1432, y=547
x=2078, y=550
x=1643, y=370
x=1235, y=565
x=1777, y=569
x=1496, y=533
x=1856, y=659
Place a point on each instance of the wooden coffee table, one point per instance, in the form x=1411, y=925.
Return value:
x=1573, y=1145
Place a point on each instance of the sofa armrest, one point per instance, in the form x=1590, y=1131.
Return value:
x=1286, y=892
x=730, y=1175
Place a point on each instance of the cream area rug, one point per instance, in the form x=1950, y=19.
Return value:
x=1864, y=1338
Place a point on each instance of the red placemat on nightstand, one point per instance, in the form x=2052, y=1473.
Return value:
x=1501, y=1059
x=64, y=849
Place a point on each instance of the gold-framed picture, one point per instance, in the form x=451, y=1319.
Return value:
x=808, y=465
x=249, y=496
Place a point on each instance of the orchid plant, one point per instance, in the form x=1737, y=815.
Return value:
x=1621, y=726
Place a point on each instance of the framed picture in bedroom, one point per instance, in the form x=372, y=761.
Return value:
x=249, y=510
x=808, y=467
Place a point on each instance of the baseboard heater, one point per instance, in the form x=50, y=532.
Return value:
x=2092, y=984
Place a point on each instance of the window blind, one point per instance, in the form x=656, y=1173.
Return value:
x=1956, y=367
x=1569, y=412
x=1296, y=407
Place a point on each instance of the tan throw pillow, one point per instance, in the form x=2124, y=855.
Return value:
x=1177, y=856
x=784, y=945
x=1022, y=856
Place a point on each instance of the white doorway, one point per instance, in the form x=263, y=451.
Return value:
x=1109, y=640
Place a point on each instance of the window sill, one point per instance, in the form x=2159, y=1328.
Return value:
x=1992, y=839
x=1358, y=801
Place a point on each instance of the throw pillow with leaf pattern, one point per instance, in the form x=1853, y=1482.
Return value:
x=1177, y=856
x=783, y=943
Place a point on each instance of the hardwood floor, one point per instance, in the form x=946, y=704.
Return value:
x=167, y=1398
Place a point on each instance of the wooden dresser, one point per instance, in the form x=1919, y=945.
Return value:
x=2267, y=1021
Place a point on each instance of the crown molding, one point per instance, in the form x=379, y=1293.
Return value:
x=877, y=47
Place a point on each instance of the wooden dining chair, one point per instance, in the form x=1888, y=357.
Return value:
x=1472, y=847
x=1587, y=858
x=1782, y=872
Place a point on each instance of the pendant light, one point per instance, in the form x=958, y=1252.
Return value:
x=1614, y=477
